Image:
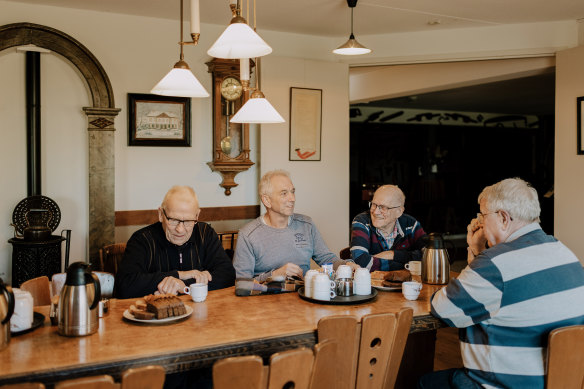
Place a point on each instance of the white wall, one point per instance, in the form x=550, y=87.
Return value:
x=569, y=166
x=322, y=187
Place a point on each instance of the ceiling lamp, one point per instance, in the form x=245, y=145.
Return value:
x=351, y=47
x=239, y=40
x=180, y=81
x=257, y=109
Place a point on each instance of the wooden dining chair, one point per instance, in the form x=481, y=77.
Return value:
x=147, y=377
x=565, y=358
x=24, y=385
x=40, y=290
x=291, y=369
x=94, y=382
x=345, y=331
x=239, y=372
x=324, y=371
x=345, y=253
x=110, y=257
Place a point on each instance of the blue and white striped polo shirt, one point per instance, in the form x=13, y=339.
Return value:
x=507, y=301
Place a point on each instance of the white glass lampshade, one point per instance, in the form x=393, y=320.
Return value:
x=180, y=82
x=351, y=47
x=239, y=41
x=257, y=110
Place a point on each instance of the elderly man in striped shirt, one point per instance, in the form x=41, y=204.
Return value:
x=518, y=286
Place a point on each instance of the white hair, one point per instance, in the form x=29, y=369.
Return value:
x=515, y=196
x=265, y=186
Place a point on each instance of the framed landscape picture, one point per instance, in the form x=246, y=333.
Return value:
x=305, y=124
x=158, y=120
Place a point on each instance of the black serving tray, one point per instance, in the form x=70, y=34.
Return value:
x=340, y=300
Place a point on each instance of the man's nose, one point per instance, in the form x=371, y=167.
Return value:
x=180, y=226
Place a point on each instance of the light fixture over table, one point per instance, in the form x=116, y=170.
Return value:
x=351, y=47
x=180, y=81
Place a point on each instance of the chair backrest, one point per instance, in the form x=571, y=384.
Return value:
x=345, y=331
x=40, y=290
x=147, y=377
x=565, y=358
x=95, y=382
x=345, y=253
x=228, y=241
x=291, y=369
x=380, y=350
x=24, y=385
x=110, y=257
x=324, y=369
x=106, y=281
x=239, y=372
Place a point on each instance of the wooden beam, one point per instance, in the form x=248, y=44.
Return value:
x=149, y=216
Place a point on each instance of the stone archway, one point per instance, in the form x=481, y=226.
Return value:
x=100, y=122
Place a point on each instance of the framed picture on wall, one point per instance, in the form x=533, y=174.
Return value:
x=158, y=120
x=580, y=124
x=305, y=124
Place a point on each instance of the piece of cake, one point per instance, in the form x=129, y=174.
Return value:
x=165, y=305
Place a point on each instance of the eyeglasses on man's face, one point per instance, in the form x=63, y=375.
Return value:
x=481, y=216
x=382, y=208
x=175, y=222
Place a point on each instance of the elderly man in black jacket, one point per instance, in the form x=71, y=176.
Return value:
x=174, y=252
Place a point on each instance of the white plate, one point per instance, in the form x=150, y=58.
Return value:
x=129, y=316
x=385, y=288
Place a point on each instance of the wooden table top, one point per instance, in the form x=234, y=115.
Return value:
x=221, y=326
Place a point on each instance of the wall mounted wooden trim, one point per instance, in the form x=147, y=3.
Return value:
x=149, y=216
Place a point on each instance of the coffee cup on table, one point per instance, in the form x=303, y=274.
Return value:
x=198, y=292
x=23, y=311
x=411, y=289
x=309, y=282
x=344, y=271
x=323, y=287
x=415, y=267
x=362, y=282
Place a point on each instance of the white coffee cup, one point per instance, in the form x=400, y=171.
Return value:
x=23, y=313
x=197, y=291
x=323, y=287
x=415, y=267
x=362, y=282
x=411, y=289
x=344, y=271
x=309, y=282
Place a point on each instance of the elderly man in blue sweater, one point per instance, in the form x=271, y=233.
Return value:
x=518, y=286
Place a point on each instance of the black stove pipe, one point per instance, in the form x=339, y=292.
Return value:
x=33, y=122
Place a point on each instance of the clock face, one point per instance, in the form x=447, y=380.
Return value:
x=231, y=88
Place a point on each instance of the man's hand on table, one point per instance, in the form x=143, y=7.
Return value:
x=288, y=270
x=201, y=277
x=384, y=255
x=170, y=285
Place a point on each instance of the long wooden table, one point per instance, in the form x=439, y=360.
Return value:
x=224, y=325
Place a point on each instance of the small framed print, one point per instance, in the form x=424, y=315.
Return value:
x=159, y=120
x=305, y=124
x=580, y=124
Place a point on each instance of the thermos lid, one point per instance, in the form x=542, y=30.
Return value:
x=76, y=274
x=434, y=241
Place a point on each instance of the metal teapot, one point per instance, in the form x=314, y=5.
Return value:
x=38, y=221
x=77, y=313
x=435, y=261
x=6, y=311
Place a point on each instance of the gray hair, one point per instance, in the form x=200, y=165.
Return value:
x=185, y=191
x=515, y=196
x=265, y=186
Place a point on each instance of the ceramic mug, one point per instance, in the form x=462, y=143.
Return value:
x=309, y=282
x=344, y=271
x=323, y=287
x=23, y=313
x=411, y=289
x=415, y=267
x=197, y=291
x=362, y=282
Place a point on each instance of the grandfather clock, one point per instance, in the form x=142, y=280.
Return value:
x=230, y=140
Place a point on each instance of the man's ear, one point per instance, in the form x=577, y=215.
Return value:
x=266, y=201
x=401, y=212
x=198, y=214
x=160, y=215
x=505, y=218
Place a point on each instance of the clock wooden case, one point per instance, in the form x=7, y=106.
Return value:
x=230, y=140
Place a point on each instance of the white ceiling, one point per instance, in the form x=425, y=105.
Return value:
x=331, y=18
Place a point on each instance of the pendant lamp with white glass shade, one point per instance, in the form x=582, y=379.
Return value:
x=181, y=81
x=351, y=47
x=257, y=109
x=239, y=40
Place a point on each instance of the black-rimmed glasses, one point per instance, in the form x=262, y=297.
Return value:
x=175, y=222
x=382, y=208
